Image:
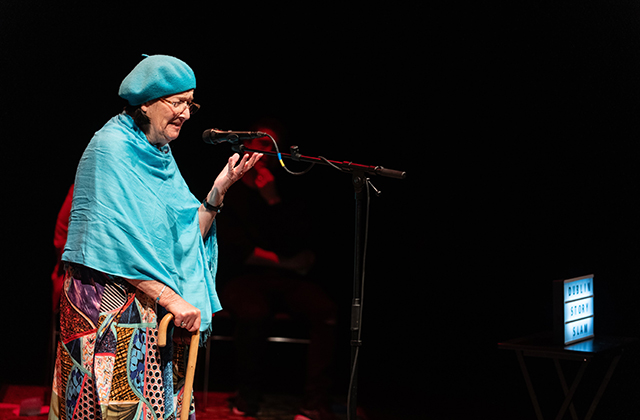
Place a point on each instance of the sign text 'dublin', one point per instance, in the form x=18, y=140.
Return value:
x=578, y=288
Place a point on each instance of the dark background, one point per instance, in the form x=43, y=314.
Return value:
x=516, y=123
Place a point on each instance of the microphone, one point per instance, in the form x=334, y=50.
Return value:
x=215, y=136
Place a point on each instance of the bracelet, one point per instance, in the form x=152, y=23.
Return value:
x=210, y=207
x=161, y=292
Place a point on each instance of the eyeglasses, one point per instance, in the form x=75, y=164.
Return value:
x=180, y=106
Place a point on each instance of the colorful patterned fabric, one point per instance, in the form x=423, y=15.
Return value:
x=109, y=365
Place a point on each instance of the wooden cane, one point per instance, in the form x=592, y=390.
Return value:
x=191, y=363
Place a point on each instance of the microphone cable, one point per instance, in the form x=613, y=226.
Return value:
x=275, y=144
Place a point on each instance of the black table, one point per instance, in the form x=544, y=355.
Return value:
x=542, y=345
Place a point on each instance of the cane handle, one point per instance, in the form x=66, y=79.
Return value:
x=162, y=329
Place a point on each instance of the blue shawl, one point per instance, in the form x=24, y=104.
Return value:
x=133, y=216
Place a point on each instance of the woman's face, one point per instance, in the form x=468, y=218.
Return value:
x=165, y=122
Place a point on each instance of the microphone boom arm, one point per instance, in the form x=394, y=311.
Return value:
x=343, y=166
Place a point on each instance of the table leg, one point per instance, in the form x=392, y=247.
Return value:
x=569, y=396
x=527, y=379
x=603, y=386
x=565, y=388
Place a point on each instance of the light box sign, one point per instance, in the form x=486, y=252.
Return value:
x=573, y=309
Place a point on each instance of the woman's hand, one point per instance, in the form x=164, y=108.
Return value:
x=185, y=315
x=229, y=175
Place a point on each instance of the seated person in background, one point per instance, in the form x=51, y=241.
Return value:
x=269, y=236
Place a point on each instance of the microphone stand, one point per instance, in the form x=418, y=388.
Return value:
x=359, y=181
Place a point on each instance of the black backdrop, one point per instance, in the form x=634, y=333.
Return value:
x=516, y=124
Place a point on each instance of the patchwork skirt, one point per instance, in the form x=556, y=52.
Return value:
x=108, y=363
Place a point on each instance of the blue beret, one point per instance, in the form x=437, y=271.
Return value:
x=156, y=76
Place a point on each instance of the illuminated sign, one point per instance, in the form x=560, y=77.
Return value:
x=573, y=309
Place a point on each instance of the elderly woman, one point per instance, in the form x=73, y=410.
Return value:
x=139, y=245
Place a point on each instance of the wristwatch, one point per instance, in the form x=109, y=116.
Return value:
x=209, y=207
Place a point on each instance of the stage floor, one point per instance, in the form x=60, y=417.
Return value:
x=275, y=407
